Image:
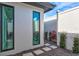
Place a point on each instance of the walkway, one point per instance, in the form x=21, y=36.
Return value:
x=47, y=50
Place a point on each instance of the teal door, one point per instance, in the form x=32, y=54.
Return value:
x=36, y=28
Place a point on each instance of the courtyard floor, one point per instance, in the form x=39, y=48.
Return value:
x=49, y=49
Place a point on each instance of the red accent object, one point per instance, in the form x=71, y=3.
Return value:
x=53, y=35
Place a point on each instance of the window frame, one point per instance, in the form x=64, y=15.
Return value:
x=33, y=25
x=1, y=27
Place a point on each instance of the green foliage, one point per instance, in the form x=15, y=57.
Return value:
x=76, y=45
x=36, y=38
x=62, y=40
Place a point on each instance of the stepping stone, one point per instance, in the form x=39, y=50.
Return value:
x=38, y=52
x=53, y=46
x=46, y=49
x=47, y=44
x=28, y=54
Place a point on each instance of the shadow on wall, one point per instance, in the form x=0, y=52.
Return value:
x=50, y=29
x=50, y=26
x=69, y=39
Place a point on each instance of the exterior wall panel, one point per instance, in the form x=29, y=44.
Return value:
x=68, y=22
x=23, y=34
x=50, y=26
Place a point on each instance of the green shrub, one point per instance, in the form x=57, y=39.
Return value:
x=76, y=45
x=62, y=40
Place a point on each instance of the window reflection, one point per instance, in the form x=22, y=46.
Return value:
x=36, y=28
x=7, y=27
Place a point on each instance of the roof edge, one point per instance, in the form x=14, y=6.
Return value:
x=44, y=5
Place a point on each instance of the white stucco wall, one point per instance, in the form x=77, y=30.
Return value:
x=68, y=21
x=23, y=28
x=50, y=24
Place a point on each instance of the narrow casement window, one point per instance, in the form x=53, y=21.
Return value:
x=0, y=27
x=7, y=27
x=36, y=28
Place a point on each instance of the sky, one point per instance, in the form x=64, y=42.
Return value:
x=61, y=6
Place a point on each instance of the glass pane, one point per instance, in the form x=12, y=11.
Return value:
x=36, y=28
x=0, y=28
x=7, y=27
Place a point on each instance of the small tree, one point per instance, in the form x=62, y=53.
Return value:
x=62, y=40
x=76, y=45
